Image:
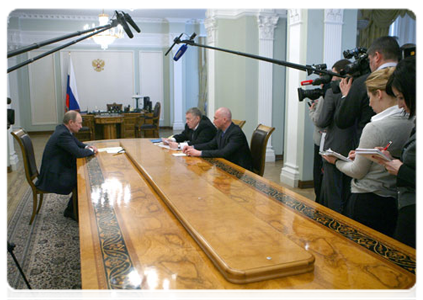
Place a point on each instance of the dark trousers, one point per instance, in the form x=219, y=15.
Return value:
x=405, y=231
x=317, y=173
x=336, y=188
x=69, y=207
x=379, y=213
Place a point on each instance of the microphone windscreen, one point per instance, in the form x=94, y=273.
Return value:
x=121, y=21
x=130, y=21
x=180, y=52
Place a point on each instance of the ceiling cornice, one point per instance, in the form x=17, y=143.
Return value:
x=94, y=18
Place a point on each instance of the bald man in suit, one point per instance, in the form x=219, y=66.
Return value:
x=229, y=143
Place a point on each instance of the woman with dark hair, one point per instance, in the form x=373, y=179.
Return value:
x=373, y=199
x=402, y=85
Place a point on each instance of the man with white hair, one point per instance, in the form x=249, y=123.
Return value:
x=58, y=166
x=229, y=143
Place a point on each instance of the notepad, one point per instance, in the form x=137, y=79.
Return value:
x=330, y=152
x=368, y=153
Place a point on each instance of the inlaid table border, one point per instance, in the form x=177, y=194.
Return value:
x=370, y=243
x=116, y=260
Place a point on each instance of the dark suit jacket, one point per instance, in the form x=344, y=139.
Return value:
x=354, y=109
x=233, y=146
x=339, y=140
x=58, y=166
x=204, y=133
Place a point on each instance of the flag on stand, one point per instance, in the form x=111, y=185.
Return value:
x=72, y=99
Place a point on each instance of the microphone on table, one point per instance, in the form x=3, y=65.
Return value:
x=183, y=48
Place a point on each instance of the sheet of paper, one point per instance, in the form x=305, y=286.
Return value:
x=179, y=154
x=111, y=149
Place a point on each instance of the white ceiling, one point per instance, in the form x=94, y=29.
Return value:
x=134, y=13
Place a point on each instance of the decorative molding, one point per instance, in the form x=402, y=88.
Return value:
x=94, y=18
x=335, y=16
x=295, y=16
x=210, y=24
x=267, y=24
x=239, y=13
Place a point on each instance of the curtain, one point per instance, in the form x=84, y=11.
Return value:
x=379, y=22
x=202, y=100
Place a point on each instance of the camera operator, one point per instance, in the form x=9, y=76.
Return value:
x=336, y=186
x=354, y=106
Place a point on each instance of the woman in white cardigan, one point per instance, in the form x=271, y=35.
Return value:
x=373, y=200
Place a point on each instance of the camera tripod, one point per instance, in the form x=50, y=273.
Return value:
x=9, y=249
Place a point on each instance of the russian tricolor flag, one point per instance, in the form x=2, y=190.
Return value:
x=72, y=99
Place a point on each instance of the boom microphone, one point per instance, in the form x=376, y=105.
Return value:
x=183, y=48
x=121, y=21
x=174, y=43
x=180, y=52
x=130, y=21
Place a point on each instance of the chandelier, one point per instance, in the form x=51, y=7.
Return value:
x=105, y=38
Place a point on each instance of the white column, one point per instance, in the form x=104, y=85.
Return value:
x=210, y=25
x=178, y=122
x=294, y=124
x=267, y=21
x=12, y=157
x=332, y=51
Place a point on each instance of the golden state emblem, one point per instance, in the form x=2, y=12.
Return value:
x=98, y=64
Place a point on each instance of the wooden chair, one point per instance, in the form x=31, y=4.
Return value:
x=31, y=171
x=87, y=131
x=258, y=147
x=114, y=107
x=240, y=123
x=153, y=126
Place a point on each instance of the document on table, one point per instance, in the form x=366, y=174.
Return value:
x=179, y=154
x=161, y=144
x=112, y=150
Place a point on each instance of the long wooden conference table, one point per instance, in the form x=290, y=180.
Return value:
x=151, y=220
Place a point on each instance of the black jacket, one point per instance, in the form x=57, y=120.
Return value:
x=339, y=140
x=233, y=146
x=354, y=109
x=204, y=133
x=58, y=166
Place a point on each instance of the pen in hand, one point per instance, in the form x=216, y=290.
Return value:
x=387, y=146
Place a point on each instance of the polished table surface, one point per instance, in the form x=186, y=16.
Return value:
x=150, y=220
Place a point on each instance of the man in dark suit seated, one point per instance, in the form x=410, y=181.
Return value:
x=198, y=130
x=58, y=166
x=229, y=143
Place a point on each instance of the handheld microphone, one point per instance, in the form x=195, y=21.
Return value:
x=306, y=82
x=130, y=21
x=180, y=52
x=125, y=26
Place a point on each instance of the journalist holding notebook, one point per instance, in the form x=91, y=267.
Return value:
x=373, y=200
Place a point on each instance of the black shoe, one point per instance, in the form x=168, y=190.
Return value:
x=69, y=214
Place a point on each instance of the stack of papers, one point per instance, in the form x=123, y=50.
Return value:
x=330, y=152
x=368, y=153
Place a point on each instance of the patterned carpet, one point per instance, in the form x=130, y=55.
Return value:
x=47, y=250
